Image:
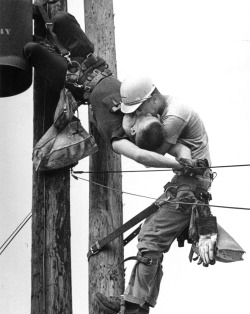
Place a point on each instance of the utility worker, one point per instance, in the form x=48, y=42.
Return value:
x=141, y=97
x=145, y=106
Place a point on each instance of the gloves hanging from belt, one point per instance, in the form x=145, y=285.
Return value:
x=207, y=230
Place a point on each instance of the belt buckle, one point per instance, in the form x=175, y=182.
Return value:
x=48, y=24
x=95, y=250
x=96, y=71
x=87, y=88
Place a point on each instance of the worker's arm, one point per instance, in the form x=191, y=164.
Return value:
x=179, y=150
x=145, y=157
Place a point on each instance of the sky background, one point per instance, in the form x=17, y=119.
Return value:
x=200, y=52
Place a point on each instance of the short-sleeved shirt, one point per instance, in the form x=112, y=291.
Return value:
x=183, y=125
x=103, y=98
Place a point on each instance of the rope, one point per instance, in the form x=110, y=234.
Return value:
x=153, y=198
x=155, y=170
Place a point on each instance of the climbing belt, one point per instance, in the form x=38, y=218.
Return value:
x=82, y=75
x=99, y=245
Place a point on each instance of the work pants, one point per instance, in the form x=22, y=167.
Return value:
x=50, y=64
x=156, y=236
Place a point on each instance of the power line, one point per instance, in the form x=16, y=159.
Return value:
x=153, y=198
x=113, y=189
x=155, y=170
x=26, y=219
x=14, y=233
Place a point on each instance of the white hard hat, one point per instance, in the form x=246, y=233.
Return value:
x=135, y=89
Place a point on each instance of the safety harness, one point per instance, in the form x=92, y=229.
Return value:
x=200, y=193
x=82, y=75
x=99, y=245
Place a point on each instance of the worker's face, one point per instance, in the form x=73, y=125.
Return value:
x=148, y=107
x=140, y=123
x=128, y=123
x=133, y=123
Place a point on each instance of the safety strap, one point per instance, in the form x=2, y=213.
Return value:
x=132, y=235
x=98, y=246
x=49, y=26
x=92, y=76
x=142, y=259
x=93, y=79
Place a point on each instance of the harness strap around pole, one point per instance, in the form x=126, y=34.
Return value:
x=49, y=26
x=132, y=235
x=95, y=248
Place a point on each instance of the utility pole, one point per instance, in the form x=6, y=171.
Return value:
x=51, y=257
x=105, y=205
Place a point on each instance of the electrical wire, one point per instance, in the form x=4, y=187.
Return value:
x=154, y=170
x=113, y=189
x=14, y=233
x=153, y=198
x=26, y=219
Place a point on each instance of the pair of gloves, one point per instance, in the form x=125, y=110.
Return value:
x=193, y=166
x=207, y=226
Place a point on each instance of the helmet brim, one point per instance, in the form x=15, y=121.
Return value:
x=129, y=109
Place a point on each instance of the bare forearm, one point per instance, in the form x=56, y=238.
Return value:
x=152, y=159
x=180, y=151
x=145, y=157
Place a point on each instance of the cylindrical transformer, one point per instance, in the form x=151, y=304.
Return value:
x=15, y=32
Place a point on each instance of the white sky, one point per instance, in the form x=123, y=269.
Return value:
x=197, y=50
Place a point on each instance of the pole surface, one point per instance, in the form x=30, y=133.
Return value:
x=105, y=205
x=51, y=257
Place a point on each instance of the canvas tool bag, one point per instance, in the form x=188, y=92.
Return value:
x=65, y=109
x=58, y=149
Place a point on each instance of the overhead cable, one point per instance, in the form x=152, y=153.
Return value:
x=14, y=233
x=26, y=219
x=153, y=198
x=154, y=170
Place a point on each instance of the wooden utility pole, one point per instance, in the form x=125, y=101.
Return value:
x=51, y=258
x=105, y=204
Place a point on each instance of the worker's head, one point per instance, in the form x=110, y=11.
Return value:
x=148, y=132
x=139, y=95
x=135, y=90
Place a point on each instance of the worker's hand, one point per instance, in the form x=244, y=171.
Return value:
x=193, y=166
x=207, y=249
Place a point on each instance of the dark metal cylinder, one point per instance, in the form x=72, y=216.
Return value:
x=15, y=32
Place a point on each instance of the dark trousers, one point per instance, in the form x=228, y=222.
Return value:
x=51, y=65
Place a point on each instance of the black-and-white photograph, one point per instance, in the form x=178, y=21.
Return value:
x=124, y=156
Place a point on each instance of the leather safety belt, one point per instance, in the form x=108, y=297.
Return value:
x=49, y=26
x=99, y=245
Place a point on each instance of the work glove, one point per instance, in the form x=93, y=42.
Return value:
x=207, y=249
x=193, y=166
x=207, y=230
